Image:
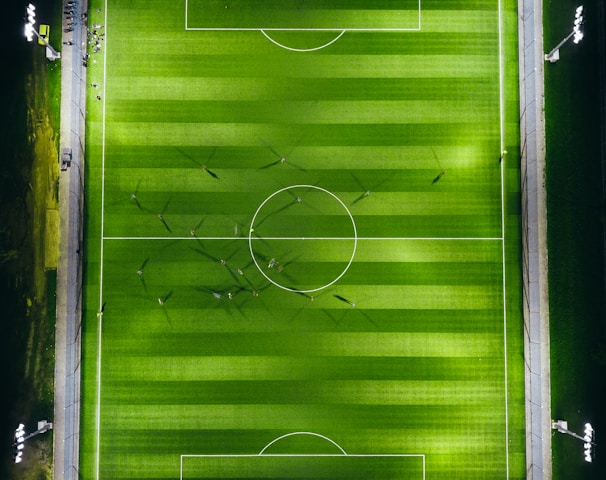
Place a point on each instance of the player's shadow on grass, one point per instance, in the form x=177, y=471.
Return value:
x=202, y=165
x=366, y=191
x=281, y=159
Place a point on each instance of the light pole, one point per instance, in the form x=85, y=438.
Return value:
x=21, y=437
x=30, y=32
x=587, y=439
x=577, y=33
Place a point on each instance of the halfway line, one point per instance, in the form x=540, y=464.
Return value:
x=482, y=239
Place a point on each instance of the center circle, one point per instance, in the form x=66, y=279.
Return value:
x=300, y=194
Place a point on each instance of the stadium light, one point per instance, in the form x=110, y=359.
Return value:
x=18, y=445
x=31, y=32
x=576, y=35
x=31, y=21
x=588, y=439
x=589, y=444
x=21, y=437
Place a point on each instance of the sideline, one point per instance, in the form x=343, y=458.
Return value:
x=534, y=242
x=66, y=438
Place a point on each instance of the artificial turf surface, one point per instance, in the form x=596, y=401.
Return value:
x=390, y=320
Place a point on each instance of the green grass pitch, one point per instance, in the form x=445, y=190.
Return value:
x=307, y=249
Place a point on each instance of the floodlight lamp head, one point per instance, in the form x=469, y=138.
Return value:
x=29, y=32
x=578, y=36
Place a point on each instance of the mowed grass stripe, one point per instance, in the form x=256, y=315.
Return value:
x=259, y=318
x=429, y=41
x=242, y=89
x=403, y=417
x=210, y=317
x=398, y=163
x=308, y=344
x=466, y=253
x=368, y=392
x=250, y=442
x=395, y=212
x=335, y=392
x=246, y=134
x=429, y=297
x=310, y=112
x=291, y=418
x=291, y=370
x=300, y=265
x=379, y=272
x=480, y=65
x=148, y=181
x=381, y=226
x=313, y=204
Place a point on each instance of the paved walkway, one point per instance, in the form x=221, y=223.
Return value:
x=534, y=237
x=69, y=271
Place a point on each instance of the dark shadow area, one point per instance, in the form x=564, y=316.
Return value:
x=21, y=307
x=575, y=132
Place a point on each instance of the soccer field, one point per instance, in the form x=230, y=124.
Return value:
x=302, y=241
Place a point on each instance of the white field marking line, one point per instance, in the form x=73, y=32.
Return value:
x=313, y=434
x=372, y=239
x=292, y=49
x=269, y=29
x=257, y=455
x=299, y=455
x=101, y=256
x=502, y=142
x=253, y=222
x=274, y=29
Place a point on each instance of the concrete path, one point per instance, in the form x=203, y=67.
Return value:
x=534, y=238
x=69, y=271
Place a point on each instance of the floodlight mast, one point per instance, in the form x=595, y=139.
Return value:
x=20, y=437
x=577, y=32
x=30, y=29
x=55, y=53
x=587, y=439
